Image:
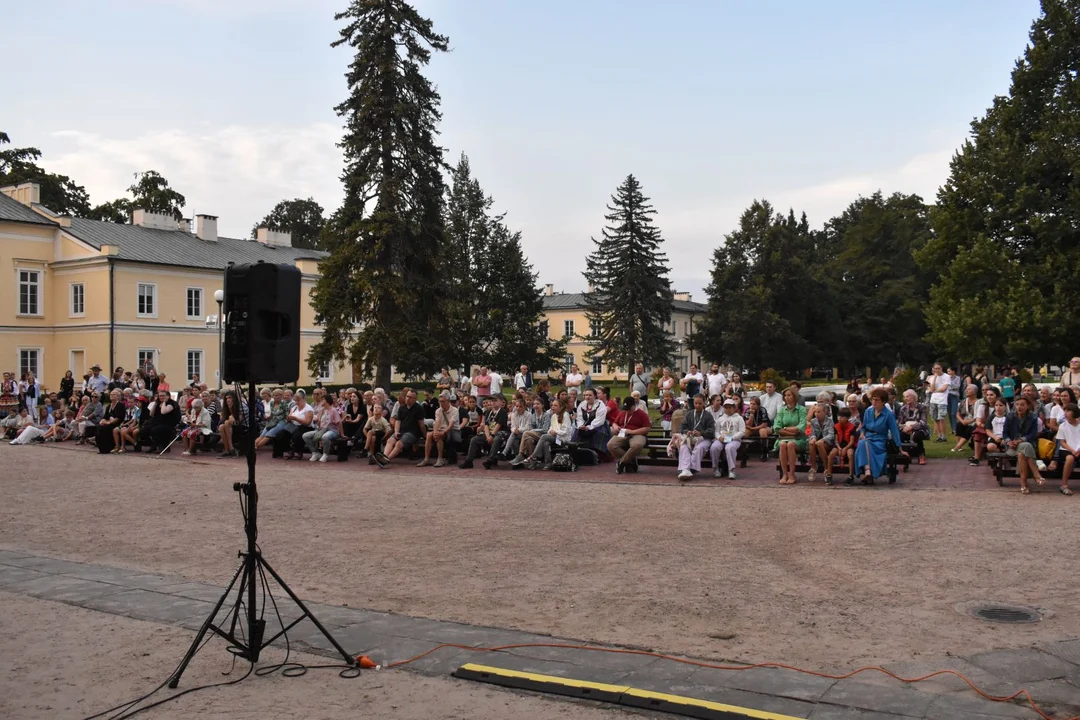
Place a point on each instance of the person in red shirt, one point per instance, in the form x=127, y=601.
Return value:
x=628, y=433
x=847, y=435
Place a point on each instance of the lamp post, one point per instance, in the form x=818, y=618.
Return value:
x=219, y=296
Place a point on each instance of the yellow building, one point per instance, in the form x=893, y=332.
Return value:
x=85, y=292
x=564, y=314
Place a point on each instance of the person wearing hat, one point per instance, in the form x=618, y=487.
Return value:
x=730, y=428
x=628, y=435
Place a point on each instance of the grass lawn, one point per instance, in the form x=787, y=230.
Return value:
x=941, y=451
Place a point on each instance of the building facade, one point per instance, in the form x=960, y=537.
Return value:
x=565, y=316
x=85, y=292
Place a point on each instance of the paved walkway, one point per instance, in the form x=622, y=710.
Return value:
x=1050, y=671
x=935, y=475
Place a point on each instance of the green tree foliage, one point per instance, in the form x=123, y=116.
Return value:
x=151, y=192
x=632, y=300
x=303, y=218
x=381, y=298
x=495, y=301
x=59, y=193
x=884, y=292
x=115, y=211
x=1007, y=221
x=770, y=303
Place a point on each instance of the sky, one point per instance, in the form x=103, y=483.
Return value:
x=709, y=103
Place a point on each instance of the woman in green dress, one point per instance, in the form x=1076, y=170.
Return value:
x=790, y=427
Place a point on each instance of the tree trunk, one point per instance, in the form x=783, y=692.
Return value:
x=383, y=371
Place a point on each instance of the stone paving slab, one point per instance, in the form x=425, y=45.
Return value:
x=1049, y=671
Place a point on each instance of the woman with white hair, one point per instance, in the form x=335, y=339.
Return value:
x=198, y=425
x=911, y=419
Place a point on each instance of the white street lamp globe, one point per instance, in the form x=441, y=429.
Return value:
x=219, y=296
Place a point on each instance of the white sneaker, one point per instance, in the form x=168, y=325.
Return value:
x=183, y=453
x=315, y=457
x=439, y=463
x=323, y=457
x=812, y=475
x=731, y=475
x=1040, y=464
x=686, y=474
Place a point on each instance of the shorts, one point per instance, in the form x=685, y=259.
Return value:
x=408, y=439
x=964, y=431
x=939, y=412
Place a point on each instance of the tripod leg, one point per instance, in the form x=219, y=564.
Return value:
x=169, y=446
x=300, y=604
x=175, y=679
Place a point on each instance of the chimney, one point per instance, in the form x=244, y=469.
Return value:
x=684, y=296
x=153, y=221
x=592, y=288
x=184, y=225
x=206, y=227
x=549, y=289
x=27, y=193
x=273, y=238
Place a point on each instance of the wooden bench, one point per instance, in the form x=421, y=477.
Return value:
x=893, y=464
x=1004, y=466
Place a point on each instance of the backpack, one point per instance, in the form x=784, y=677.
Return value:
x=563, y=462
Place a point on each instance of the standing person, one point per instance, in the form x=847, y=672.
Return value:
x=442, y=432
x=668, y=405
x=692, y=382
x=789, y=426
x=481, y=383
x=1008, y=387
x=878, y=426
x=697, y=430
x=586, y=380
x=30, y=390
x=639, y=381
x=1068, y=446
x=939, y=401
x=523, y=379
x=97, y=383
x=730, y=429
x=666, y=382
x=67, y=387
x=1021, y=435
x=716, y=381
x=955, y=386
x=1071, y=376
x=573, y=379
x=496, y=382
x=911, y=420
x=445, y=383
x=628, y=436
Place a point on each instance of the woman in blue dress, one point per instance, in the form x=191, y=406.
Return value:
x=878, y=425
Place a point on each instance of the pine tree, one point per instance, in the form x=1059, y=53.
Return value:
x=496, y=304
x=1007, y=221
x=380, y=297
x=632, y=300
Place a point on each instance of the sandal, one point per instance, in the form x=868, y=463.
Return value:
x=1065, y=491
x=1040, y=480
x=1025, y=491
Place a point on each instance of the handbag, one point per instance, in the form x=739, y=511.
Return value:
x=1046, y=449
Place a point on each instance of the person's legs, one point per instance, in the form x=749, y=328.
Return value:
x=700, y=451
x=310, y=438
x=637, y=444
x=813, y=461
x=497, y=443
x=731, y=450
x=1066, y=470
x=476, y=446
x=616, y=447
x=1027, y=452
x=391, y=450
x=954, y=405
x=714, y=456
x=685, y=461
x=528, y=444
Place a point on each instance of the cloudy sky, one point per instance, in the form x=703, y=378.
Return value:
x=710, y=103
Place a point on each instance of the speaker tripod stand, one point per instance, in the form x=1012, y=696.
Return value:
x=250, y=644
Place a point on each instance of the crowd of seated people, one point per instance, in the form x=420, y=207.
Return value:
x=703, y=415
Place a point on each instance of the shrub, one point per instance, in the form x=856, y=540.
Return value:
x=773, y=375
x=1025, y=375
x=907, y=379
x=884, y=372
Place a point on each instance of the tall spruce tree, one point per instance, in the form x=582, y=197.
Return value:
x=380, y=298
x=495, y=302
x=632, y=299
x=1007, y=221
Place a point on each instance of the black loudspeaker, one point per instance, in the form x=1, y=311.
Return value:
x=262, y=323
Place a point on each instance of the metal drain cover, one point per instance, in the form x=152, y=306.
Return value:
x=998, y=613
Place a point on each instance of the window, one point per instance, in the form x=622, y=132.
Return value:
x=569, y=362
x=194, y=303
x=30, y=361
x=194, y=364
x=146, y=358
x=29, y=292
x=594, y=328
x=686, y=328
x=147, y=293
x=78, y=299
x=598, y=366
x=568, y=328
x=325, y=371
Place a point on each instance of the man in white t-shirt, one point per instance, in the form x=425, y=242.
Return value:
x=939, y=402
x=716, y=380
x=771, y=401
x=574, y=379
x=496, y=383
x=692, y=382
x=1068, y=449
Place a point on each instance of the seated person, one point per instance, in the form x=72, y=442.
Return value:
x=911, y=419
x=375, y=431
x=520, y=422
x=539, y=422
x=35, y=431
x=592, y=425
x=557, y=435
x=106, y=441
x=165, y=415
x=995, y=426
x=1021, y=440
x=757, y=419
x=443, y=431
x=821, y=441
x=297, y=422
x=275, y=414
x=63, y=429
x=730, y=428
x=1068, y=446
x=695, y=438
x=198, y=426
x=492, y=434
x=846, y=439
x=628, y=435
x=327, y=428
x=232, y=418
x=409, y=428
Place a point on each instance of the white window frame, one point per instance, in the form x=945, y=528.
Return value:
x=72, y=311
x=570, y=361
x=77, y=373
x=595, y=328
x=187, y=364
x=328, y=376
x=139, y=364
x=568, y=328
x=153, y=299
x=598, y=366
x=202, y=304
x=40, y=358
x=39, y=283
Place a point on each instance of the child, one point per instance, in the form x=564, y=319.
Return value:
x=846, y=437
x=375, y=430
x=822, y=437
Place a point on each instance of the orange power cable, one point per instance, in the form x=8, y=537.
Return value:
x=735, y=668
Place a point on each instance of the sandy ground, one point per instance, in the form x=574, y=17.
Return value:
x=820, y=579
x=120, y=659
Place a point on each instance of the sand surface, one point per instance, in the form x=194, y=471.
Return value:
x=120, y=659
x=819, y=579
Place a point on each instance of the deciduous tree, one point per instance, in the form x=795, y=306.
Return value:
x=59, y=193
x=302, y=218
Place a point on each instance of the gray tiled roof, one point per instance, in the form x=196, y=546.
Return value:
x=15, y=211
x=572, y=301
x=175, y=247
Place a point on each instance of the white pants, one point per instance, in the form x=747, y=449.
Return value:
x=731, y=449
x=27, y=436
x=691, y=460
